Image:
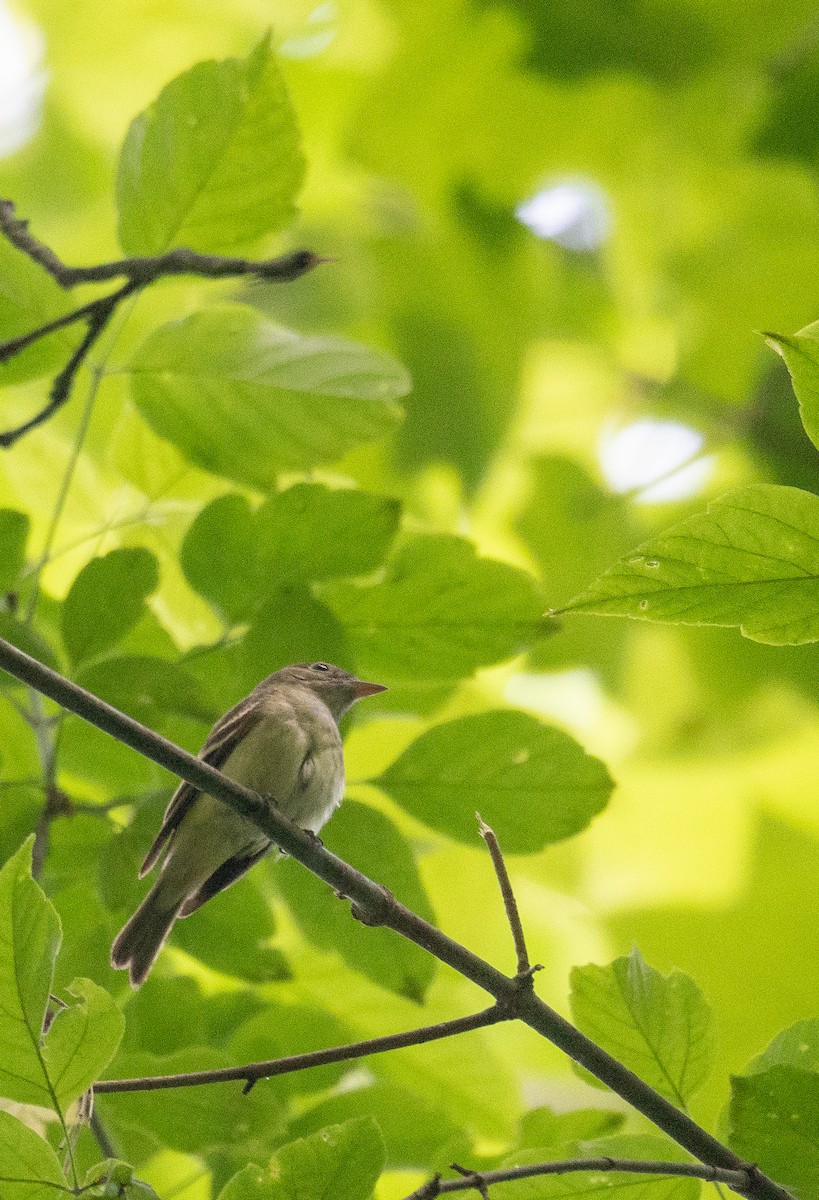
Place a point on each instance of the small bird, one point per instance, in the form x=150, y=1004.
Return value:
x=283, y=741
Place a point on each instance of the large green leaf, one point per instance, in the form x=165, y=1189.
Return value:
x=280, y=1030
x=50, y=1069
x=236, y=557
x=774, y=1121
x=29, y=1168
x=752, y=560
x=439, y=612
x=214, y=162
x=801, y=354
x=657, y=1025
x=342, y=1161
x=244, y=398
x=106, y=600
x=29, y=297
x=148, y=688
x=368, y=839
x=532, y=783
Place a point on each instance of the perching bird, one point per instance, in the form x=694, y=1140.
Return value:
x=283, y=741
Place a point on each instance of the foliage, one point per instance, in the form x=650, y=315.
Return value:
x=400, y=461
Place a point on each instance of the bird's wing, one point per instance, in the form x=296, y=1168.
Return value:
x=222, y=740
x=223, y=877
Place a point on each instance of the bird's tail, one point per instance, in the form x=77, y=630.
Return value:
x=141, y=939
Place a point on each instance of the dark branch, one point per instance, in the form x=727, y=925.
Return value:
x=525, y=971
x=482, y=1180
x=253, y=1072
x=383, y=909
x=139, y=272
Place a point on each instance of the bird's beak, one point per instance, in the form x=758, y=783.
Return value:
x=362, y=689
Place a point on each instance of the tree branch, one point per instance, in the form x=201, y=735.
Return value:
x=482, y=1180
x=139, y=272
x=525, y=971
x=253, y=1072
x=383, y=909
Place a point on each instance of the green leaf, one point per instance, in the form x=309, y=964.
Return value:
x=801, y=355
x=148, y=688
x=797, y=1046
x=236, y=558
x=215, y=1115
x=774, y=1121
x=54, y=1069
x=532, y=783
x=342, y=1161
x=246, y=399
x=280, y=1030
x=29, y=297
x=82, y=1040
x=292, y=626
x=29, y=1168
x=368, y=839
x=106, y=600
x=542, y=1127
x=14, y=527
x=751, y=560
x=214, y=162
x=594, y=1183
x=27, y=640
x=657, y=1025
x=439, y=612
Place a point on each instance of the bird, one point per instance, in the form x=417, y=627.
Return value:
x=281, y=740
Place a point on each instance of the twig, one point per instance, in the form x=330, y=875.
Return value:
x=253, y=1072
x=382, y=909
x=481, y=1181
x=139, y=272
x=525, y=971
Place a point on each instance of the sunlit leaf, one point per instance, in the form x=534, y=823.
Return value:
x=29, y=1168
x=751, y=560
x=214, y=162
x=532, y=783
x=245, y=398
x=106, y=600
x=657, y=1025
x=774, y=1119
x=801, y=354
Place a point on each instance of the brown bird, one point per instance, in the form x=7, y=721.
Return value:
x=283, y=741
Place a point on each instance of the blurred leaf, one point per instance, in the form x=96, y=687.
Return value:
x=244, y=398
x=439, y=612
x=797, y=1046
x=230, y=933
x=148, y=688
x=751, y=560
x=343, y=1161
x=369, y=841
x=215, y=1115
x=236, y=558
x=14, y=527
x=29, y=297
x=542, y=1127
x=774, y=1118
x=106, y=600
x=801, y=355
x=214, y=162
x=657, y=1025
x=29, y=640
x=532, y=783
x=54, y=1068
x=416, y=1133
x=81, y=1041
x=292, y=626
x=29, y=1168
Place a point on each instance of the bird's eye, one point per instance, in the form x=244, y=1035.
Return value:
x=320, y=667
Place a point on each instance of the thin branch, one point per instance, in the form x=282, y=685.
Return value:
x=383, y=909
x=253, y=1072
x=482, y=1180
x=525, y=971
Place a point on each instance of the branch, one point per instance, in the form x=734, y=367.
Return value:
x=482, y=1180
x=380, y=908
x=525, y=971
x=139, y=272
x=253, y=1072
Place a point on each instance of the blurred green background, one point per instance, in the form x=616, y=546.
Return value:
x=569, y=222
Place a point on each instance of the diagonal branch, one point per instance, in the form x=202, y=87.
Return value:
x=525, y=971
x=381, y=908
x=481, y=1181
x=253, y=1072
